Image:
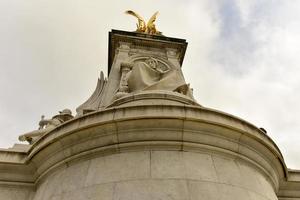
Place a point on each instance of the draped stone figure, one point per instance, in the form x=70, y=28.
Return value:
x=46, y=125
x=150, y=74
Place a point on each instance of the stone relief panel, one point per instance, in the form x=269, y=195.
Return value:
x=144, y=73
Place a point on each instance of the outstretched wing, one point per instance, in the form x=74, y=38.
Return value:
x=141, y=26
x=92, y=104
x=152, y=19
x=130, y=12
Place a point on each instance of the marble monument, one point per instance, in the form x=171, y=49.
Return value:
x=142, y=136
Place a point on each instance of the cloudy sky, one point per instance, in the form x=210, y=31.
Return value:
x=243, y=58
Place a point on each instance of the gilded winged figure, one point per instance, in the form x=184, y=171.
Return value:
x=142, y=27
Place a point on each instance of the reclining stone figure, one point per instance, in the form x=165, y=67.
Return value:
x=46, y=125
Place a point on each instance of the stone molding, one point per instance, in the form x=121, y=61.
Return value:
x=290, y=188
x=154, y=98
x=157, y=127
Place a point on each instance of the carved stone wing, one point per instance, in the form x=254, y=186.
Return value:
x=94, y=101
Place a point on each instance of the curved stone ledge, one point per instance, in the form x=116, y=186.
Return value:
x=151, y=98
x=155, y=127
x=111, y=129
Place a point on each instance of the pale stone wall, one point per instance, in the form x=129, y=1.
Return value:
x=290, y=188
x=12, y=192
x=155, y=175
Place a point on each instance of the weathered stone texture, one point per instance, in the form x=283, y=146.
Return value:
x=156, y=175
x=15, y=193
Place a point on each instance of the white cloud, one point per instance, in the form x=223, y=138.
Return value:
x=258, y=60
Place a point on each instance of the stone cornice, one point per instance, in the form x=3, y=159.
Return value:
x=290, y=188
x=136, y=128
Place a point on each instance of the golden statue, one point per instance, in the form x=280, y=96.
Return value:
x=141, y=25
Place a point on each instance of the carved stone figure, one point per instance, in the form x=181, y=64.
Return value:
x=46, y=125
x=151, y=74
x=150, y=28
x=123, y=88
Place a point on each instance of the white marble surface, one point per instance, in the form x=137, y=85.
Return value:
x=156, y=175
